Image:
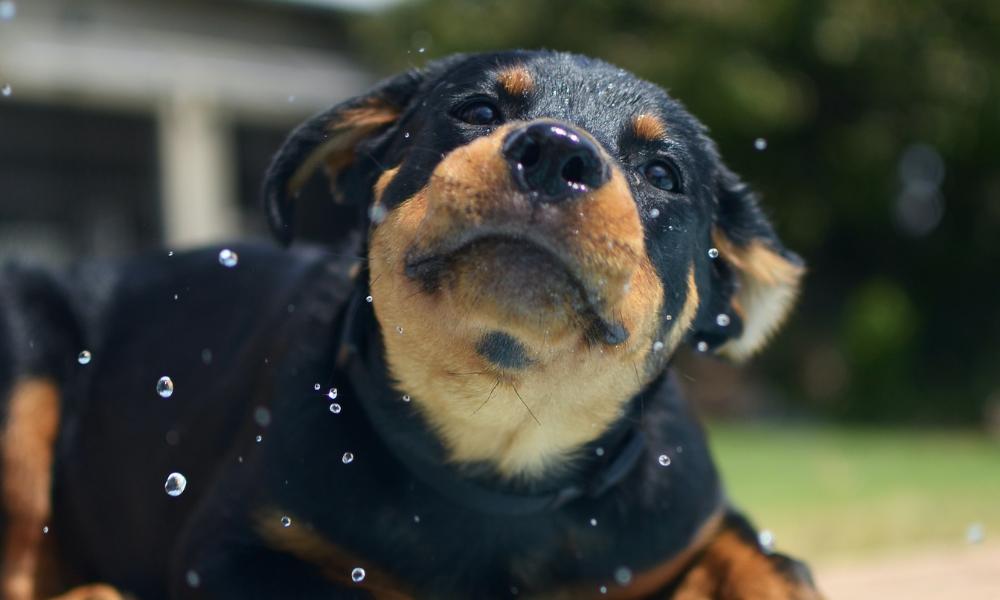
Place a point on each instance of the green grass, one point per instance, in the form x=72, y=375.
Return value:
x=829, y=492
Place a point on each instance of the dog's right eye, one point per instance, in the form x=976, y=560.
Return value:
x=479, y=112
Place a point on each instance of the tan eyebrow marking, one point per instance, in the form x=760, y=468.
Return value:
x=516, y=80
x=649, y=127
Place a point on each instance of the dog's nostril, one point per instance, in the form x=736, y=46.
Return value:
x=530, y=153
x=573, y=171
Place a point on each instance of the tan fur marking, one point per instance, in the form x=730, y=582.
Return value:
x=649, y=127
x=383, y=182
x=346, y=128
x=97, y=591
x=769, y=285
x=574, y=388
x=516, y=80
x=336, y=563
x=732, y=569
x=26, y=451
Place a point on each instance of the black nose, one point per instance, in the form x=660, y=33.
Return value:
x=554, y=161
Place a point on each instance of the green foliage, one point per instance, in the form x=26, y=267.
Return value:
x=900, y=315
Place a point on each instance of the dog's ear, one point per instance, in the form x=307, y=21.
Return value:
x=330, y=139
x=754, y=278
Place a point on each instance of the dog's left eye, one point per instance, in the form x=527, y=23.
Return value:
x=479, y=112
x=663, y=175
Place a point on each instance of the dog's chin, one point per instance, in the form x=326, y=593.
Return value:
x=513, y=285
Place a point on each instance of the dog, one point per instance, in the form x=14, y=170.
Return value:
x=474, y=401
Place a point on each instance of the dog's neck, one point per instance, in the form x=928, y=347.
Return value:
x=408, y=428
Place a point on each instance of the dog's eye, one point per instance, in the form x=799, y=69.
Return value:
x=479, y=112
x=663, y=175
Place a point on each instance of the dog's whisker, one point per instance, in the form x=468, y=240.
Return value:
x=530, y=412
x=492, y=390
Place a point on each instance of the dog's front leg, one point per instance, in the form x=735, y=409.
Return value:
x=734, y=566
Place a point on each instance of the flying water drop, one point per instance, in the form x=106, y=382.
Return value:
x=165, y=387
x=228, y=258
x=175, y=485
x=84, y=357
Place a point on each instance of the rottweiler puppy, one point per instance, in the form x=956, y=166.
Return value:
x=473, y=402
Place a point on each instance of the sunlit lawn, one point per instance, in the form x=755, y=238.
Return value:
x=838, y=493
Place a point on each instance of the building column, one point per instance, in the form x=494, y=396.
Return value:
x=196, y=172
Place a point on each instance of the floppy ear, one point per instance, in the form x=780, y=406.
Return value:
x=755, y=279
x=330, y=139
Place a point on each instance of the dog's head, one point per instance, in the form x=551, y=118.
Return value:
x=544, y=230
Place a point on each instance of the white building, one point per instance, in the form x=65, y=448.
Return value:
x=131, y=124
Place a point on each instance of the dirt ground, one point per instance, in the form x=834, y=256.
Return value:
x=971, y=573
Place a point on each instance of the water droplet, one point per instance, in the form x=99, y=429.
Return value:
x=316, y=386
x=421, y=50
x=377, y=213
x=286, y=521
x=175, y=485
x=192, y=578
x=657, y=346
x=262, y=415
x=702, y=346
x=593, y=522
x=332, y=394
x=975, y=533
x=176, y=296
x=664, y=460
x=368, y=299
x=399, y=330
x=654, y=212
x=357, y=575
x=45, y=529
x=766, y=540
x=335, y=408
x=8, y=10
x=170, y=253
x=84, y=357
x=669, y=317
x=416, y=518
x=713, y=253
x=406, y=397
x=6, y=90
x=165, y=387
x=228, y=258
x=722, y=320
x=599, y=451
x=347, y=458
x=623, y=575
x=206, y=356
x=259, y=439
x=603, y=589
x=760, y=144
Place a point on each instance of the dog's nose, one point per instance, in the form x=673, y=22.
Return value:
x=554, y=161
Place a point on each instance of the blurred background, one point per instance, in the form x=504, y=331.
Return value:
x=866, y=438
